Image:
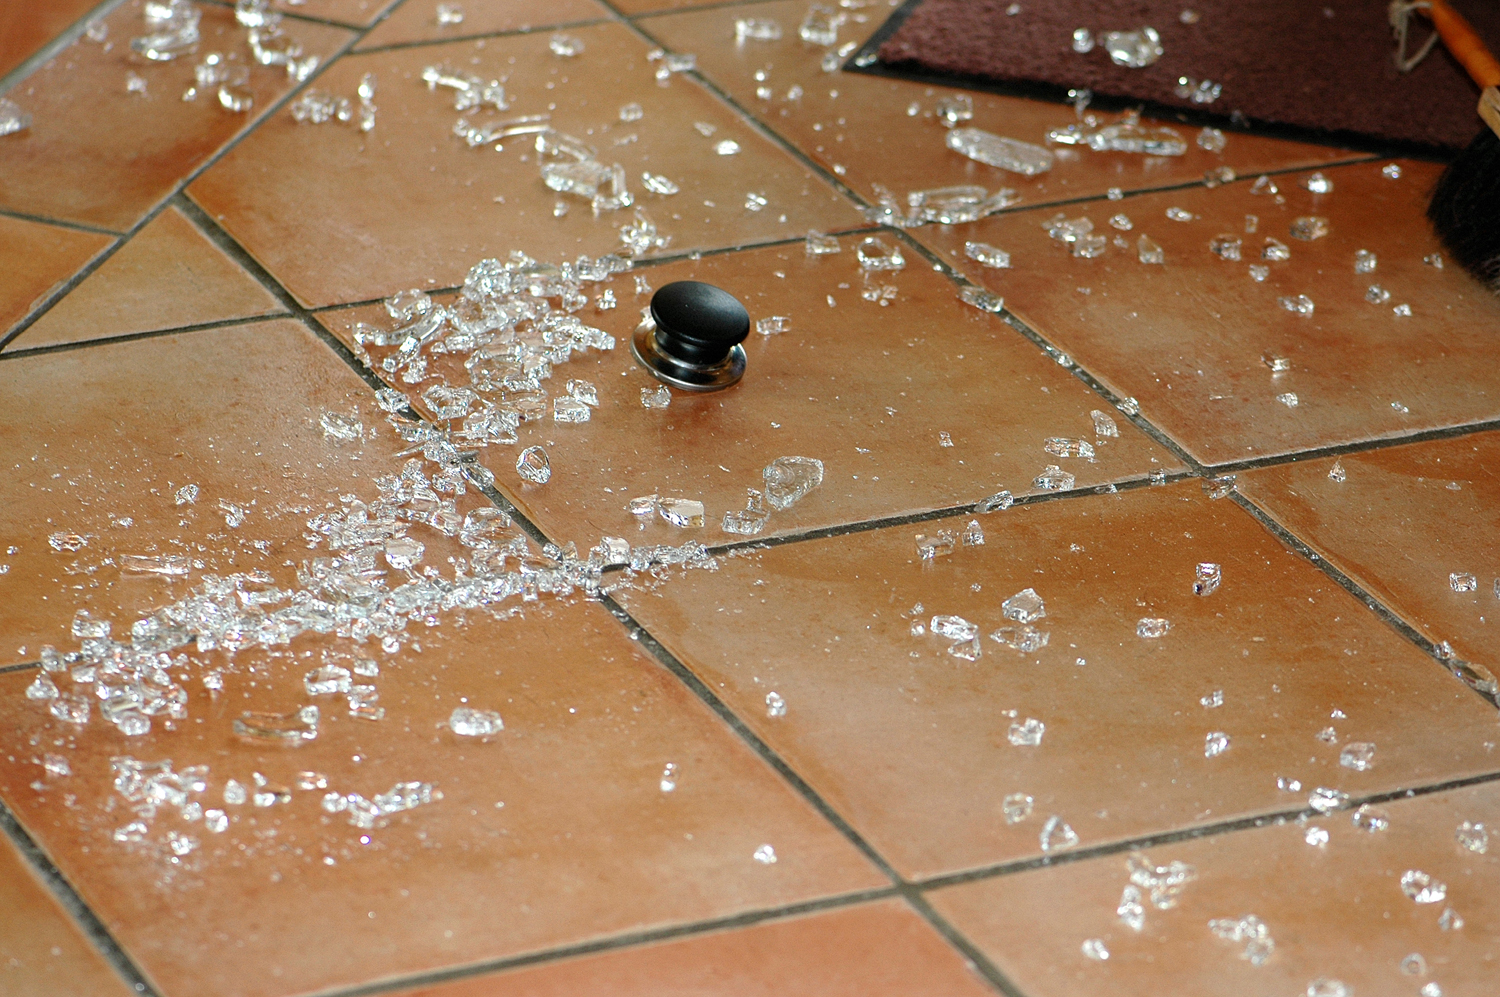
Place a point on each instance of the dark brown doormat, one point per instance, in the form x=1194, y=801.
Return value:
x=1319, y=69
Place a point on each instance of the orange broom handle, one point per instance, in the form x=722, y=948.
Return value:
x=1464, y=44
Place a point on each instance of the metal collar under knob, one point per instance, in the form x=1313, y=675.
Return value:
x=693, y=339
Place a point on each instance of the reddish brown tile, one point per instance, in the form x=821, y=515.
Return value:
x=876, y=948
x=1192, y=340
x=416, y=20
x=41, y=949
x=113, y=432
x=37, y=258
x=912, y=745
x=298, y=196
x=100, y=154
x=167, y=275
x=549, y=834
x=1336, y=912
x=864, y=128
x=1402, y=522
x=866, y=389
x=25, y=29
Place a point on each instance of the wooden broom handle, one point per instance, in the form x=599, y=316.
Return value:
x=1464, y=44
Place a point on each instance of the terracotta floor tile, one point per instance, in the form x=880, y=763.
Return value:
x=298, y=196
x=1403, y=520
x=866, y=389
x=1188, y=339
x=912, y=746
x=168, y=275
x=416, y=20
x=876, y=948
x=99, y=154
x=293, y=900
x=24, y=29
x=586, y=845
x=36, y=259
x=42, y=951
x=112, y=433
x=868, y=135
x=1336, y=912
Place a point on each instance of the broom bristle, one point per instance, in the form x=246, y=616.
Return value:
x=1465, y=208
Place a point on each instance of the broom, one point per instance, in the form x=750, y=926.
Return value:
x=1465, y=205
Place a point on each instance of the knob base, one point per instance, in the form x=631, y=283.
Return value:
x=685, y=376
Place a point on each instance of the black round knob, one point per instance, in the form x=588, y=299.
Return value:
x=698, y=323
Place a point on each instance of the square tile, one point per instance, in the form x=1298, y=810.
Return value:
x=98, y=153
x=1335, y=912
x=25, y=29
x=416, y=21
x=1193, y=340
x=1402, y=523
x=586, y=844
x=914, y=747
x=875, y=948
x=37, y=259
x=298, y=196
x=42, y=951
x=872, y=130
x=168, y=275
x=866, y=389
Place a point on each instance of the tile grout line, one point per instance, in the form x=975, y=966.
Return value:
x=483, y=36
x=793, y=779
x=74, y=905
x=1296, y=544
x=613, y=943
x=1274, y=818
x=59, y=222
x=19, y=666
x=131, y=337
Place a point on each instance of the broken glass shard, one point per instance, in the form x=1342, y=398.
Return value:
x=1213, y=700
x=973, y=534
x=339, y=426
x=987, y=255
x=1364, y=261
x=298, y=725
x=821, y=26
x=1450, y=920
x=1318, y=184
x=788, y=479
x=1133, y=49
x=1057, y=835
x=1226, y=247
x=469, y=722
x=818, y=244
x=1206, y=578
x=1180, y=214
x=1370, y=819
x=775, y=705
x=12, y=118
x=1004, y=153
x=1462, y=581
x=565, y=46
x=42, y=688
x=875, y=254
x=1325, y=986
x=1473, y=836
x=1061, y=446
x=1309, y=227
x=1220, y=487
x=656, y=398
x=1215, y=744
x=1152, y=627
x=765, y=855
x=1300, y=305
x=1402, y=310
x=1288, y=398
x=1325, y=800
x=954, y=628
x=570, y=410
x=1358, y=755
x=995, y=503
x=534, y=466
x=1053, y=479
x=757, y=29
x=1083, y=41
x=1130, y=910
x=1027, y=734
x=939, y=544
x=1422, y=888
x=1249, y=930
x=1094, y=948
x=978, y=297
x=773, y=325
x=1025, y=638
x=1016, y=807
x=327, y=680
x=1148, y=251
x=1316, y=836
x=1024, y=607
x=680, y=512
